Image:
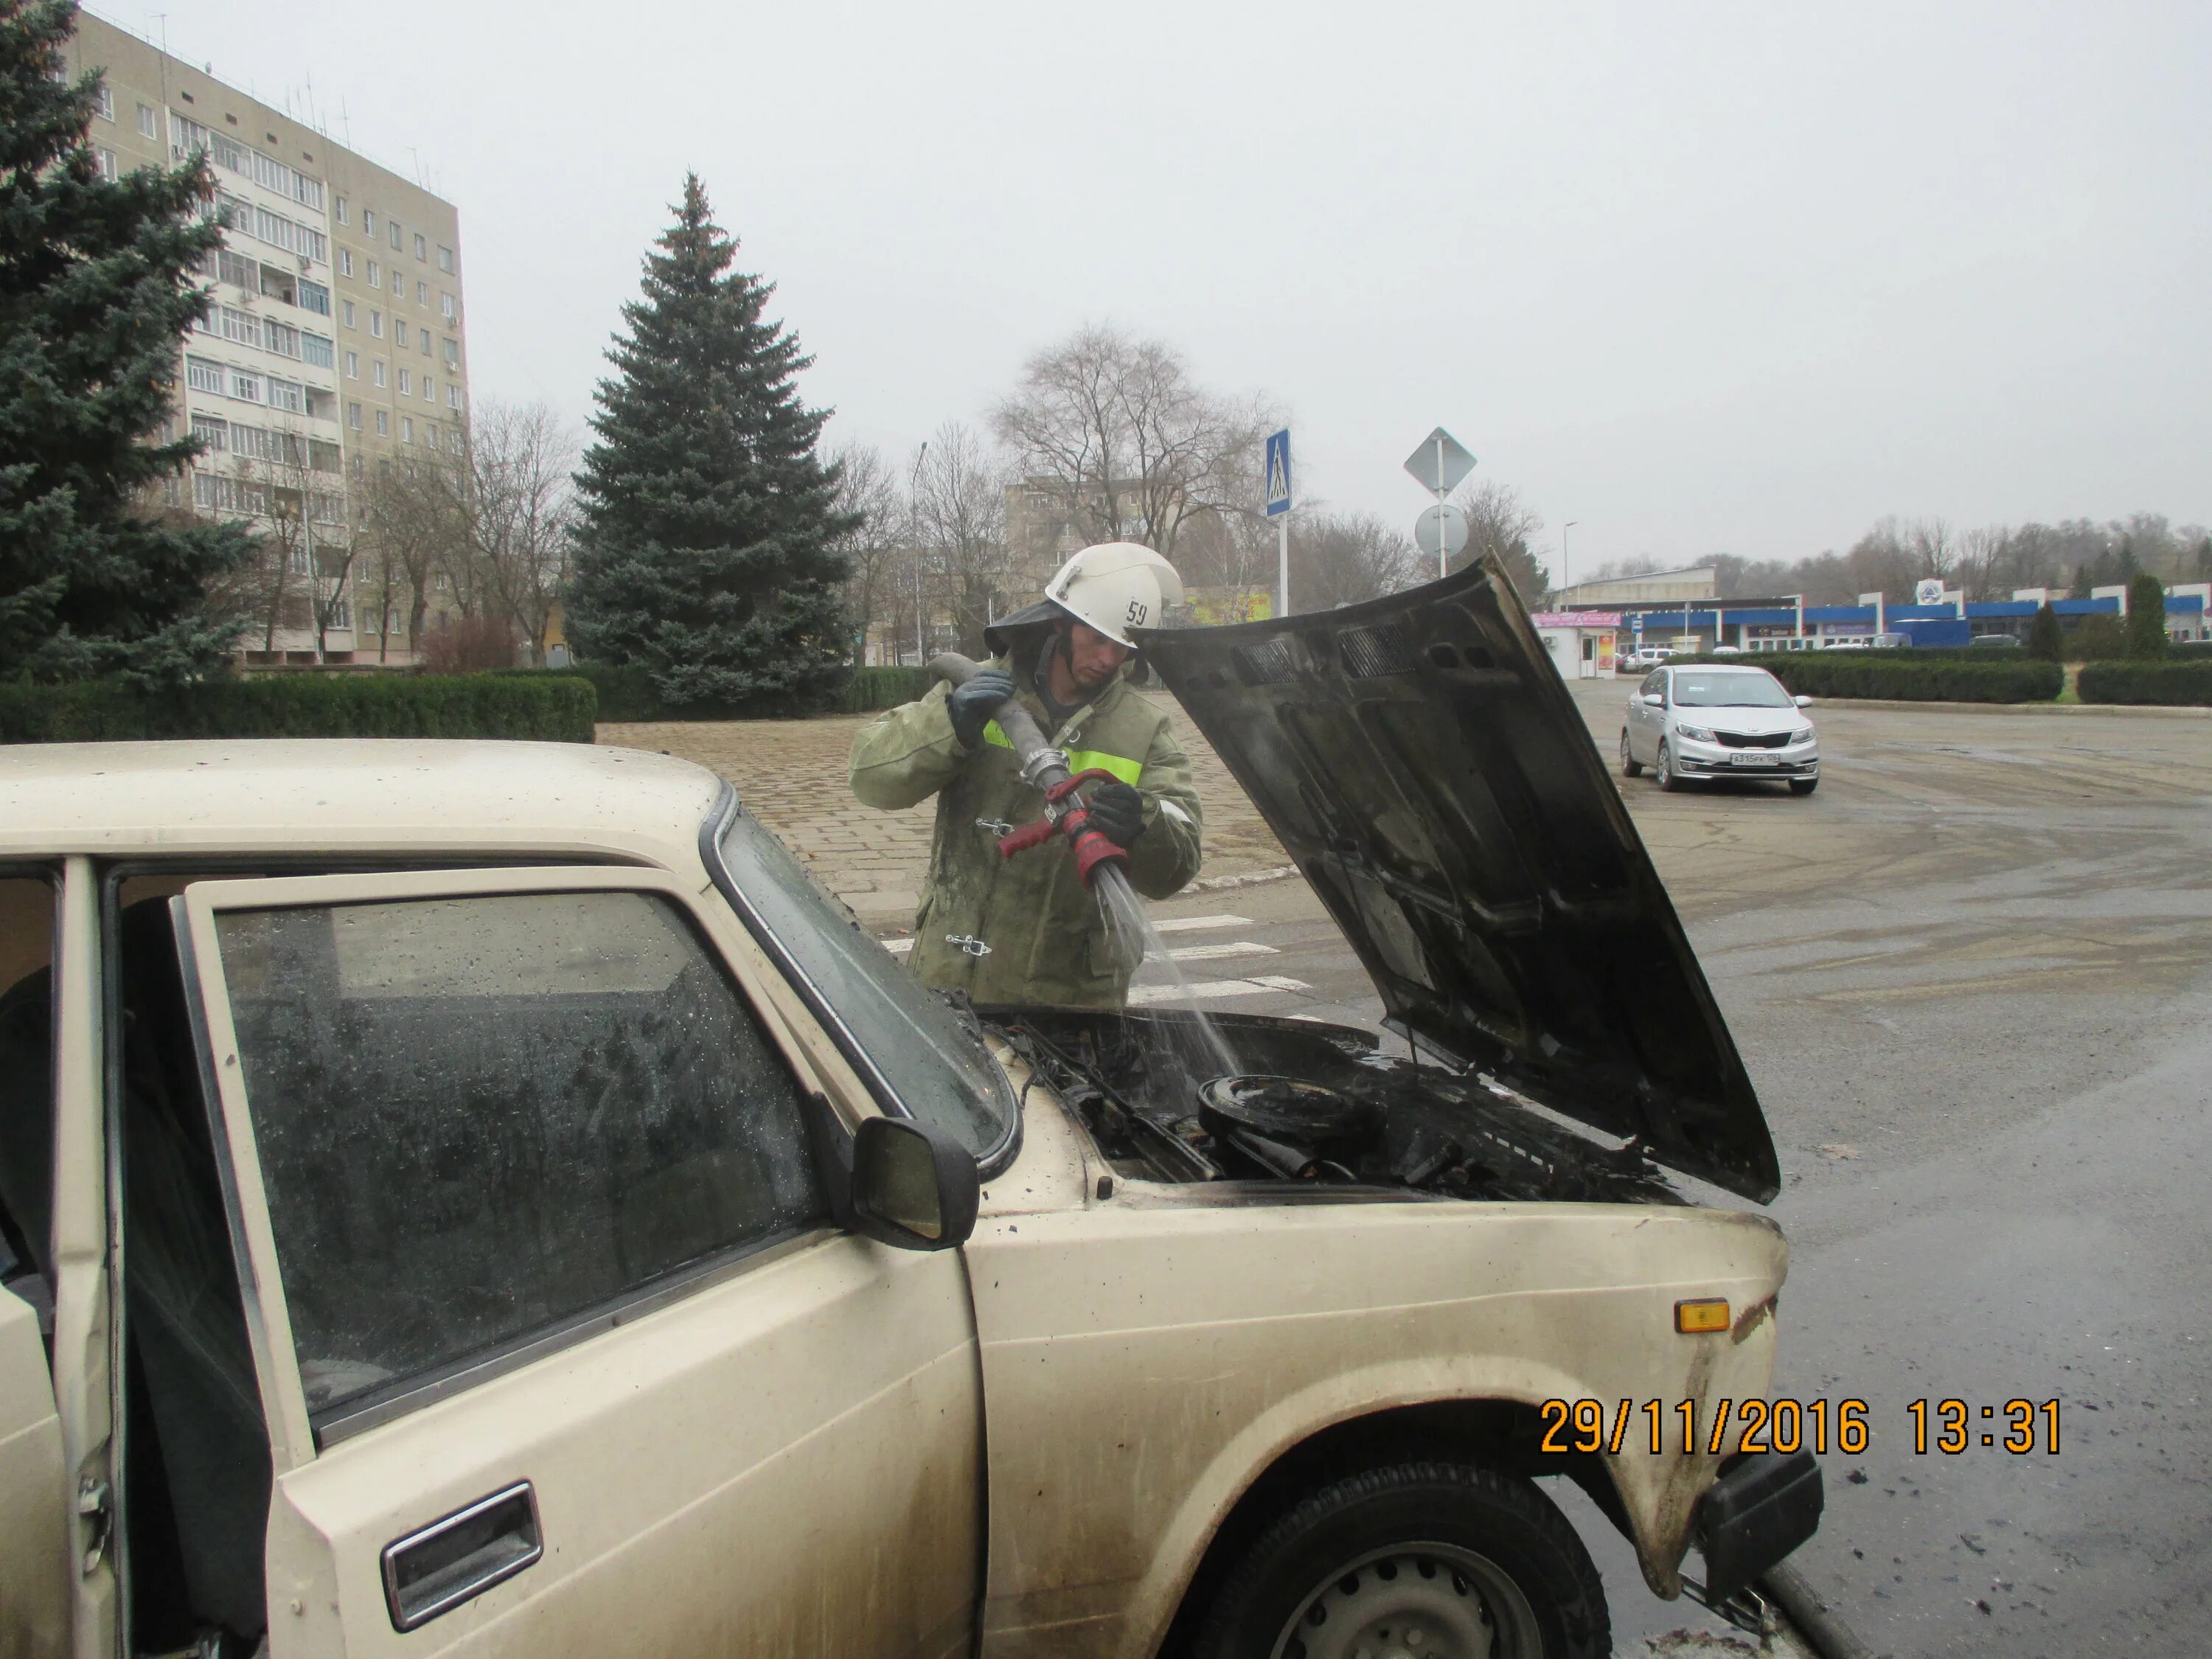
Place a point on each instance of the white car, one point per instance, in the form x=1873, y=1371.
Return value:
x=1719, y=720
x=1644, y=657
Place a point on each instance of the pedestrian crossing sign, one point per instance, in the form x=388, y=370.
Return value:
x=1278, y=473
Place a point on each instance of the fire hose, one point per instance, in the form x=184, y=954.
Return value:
x=1043, y=767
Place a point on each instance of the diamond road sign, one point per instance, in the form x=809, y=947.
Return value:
x=1439, y=464
x=1278, y=473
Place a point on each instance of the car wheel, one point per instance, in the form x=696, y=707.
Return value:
x=1431, y=1560
x=1803, y=786
x=1664, y=769
x=1629, y=766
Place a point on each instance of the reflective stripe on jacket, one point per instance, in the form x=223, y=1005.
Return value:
x=1030, y=931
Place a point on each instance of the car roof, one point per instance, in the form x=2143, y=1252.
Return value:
x=296, y=795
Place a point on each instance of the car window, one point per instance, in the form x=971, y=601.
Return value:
x=930, y=1059
x=480, y=1117
x=27, y=1091
x=1655, y=684
x=1737, y=689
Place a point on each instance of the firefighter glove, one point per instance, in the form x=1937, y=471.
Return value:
x=1117, y=813
x=971, y=705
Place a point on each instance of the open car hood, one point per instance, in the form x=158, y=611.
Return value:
x=1423, y=763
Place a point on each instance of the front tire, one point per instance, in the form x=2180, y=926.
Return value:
x=1438, y=1561
x=1803, y=786
x=1669, y=778
x=1629, y=766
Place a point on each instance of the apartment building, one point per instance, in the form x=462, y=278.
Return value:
x=332, y=346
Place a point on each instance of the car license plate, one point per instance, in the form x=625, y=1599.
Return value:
x=1752, y=757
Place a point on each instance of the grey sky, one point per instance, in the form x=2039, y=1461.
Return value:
x=1703, y=277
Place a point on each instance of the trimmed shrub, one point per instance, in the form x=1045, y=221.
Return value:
x=2097, y=638
x=627, y=694
x=871, y=689
x=2171, y=684
x=303, y=705
x=2146, y=623
x=2045, y=638
x=1906, y=674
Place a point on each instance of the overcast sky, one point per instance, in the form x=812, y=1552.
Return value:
x=1704, y=278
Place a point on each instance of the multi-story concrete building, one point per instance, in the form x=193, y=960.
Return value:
x=333, y=344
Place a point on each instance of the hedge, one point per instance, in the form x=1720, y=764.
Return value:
x=627, y=694
x=1904, y=675
x=2169, y=682
x=303, y=705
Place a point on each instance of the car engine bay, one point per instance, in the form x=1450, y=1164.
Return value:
x=1311, y=1103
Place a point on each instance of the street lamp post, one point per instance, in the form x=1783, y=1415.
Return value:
x=914, y=493
x=1564, y=583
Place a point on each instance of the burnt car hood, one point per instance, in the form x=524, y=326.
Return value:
x=1425, y=764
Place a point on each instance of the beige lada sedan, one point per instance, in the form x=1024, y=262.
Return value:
x=483, y=1199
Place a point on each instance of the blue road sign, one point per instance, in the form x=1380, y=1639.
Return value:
x=1278, y=473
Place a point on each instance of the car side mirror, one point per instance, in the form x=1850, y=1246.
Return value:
x=913, y=1186
x=1654, y=700
x=1802, y=702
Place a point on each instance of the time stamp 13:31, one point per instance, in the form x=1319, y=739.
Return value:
x=2019, y=1426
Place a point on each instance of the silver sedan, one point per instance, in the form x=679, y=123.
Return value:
x=1705, y=721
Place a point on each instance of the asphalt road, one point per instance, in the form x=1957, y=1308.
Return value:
x=1971, y=979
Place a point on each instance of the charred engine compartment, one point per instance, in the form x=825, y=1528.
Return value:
x=1311, y=1103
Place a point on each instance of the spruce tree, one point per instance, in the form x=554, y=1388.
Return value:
x=2146, y=618
x=96, y=300
x=2044, y=638
x=706, y=553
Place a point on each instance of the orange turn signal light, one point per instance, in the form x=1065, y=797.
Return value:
x=1705, y=1314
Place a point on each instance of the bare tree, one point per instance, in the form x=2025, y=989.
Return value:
x=1498, y=521
x=1342, y=558
x=958, y=516
x=290, y=487
x=867, y=491
x=411, y=524
x=517, y=509
x=1131, y=446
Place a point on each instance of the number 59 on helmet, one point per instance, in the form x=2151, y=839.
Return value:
x=1115, y=588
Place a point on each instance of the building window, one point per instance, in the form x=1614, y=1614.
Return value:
x=429, y=389
x=452, y=352
x=453, y=396
x=346, y=312
x=422, y=247
x=398, y=282
x=315, y=297
x=107, y=103
x=383, y=423
x=376, y=324
x=246, y=387
x=399, y=335
x=393, y=226
x=315, y=244
x=430, y=433
x=353, y=366
x=376, y=370
x=446, y=260
x=446, y=304
x=426, y=341
x=241, y=327
x=421, y=294
x=201, y=375
x=238, y=271
x=375, y=274
x=406, y=384
x=288, y=395
x=353, y=415
x=345, y=262
x=214, y=493
x=213, y=432
x=316, y=348
x=338, y=206
x=342, y=613
x=406, y=429
x=274, y=228
x=107, y=168
x=146, y=127
x=368, y=222
x=299, y=560
x=283, y=339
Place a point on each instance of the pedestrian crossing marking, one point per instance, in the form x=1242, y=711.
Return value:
x=1242, y=947
x=1197, y=924
x=1260, y=985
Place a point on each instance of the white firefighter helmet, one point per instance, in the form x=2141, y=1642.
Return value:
x=1116, y=587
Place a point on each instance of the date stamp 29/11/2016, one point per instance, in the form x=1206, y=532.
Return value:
x=1947, y=1427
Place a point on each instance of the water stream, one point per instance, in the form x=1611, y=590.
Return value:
x=1203, y=1050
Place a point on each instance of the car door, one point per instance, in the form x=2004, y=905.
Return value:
x=1643, y=718
x=558, y=1350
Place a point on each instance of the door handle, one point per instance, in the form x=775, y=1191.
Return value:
x=459, y=1556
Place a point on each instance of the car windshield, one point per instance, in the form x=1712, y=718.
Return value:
x=1752, y=688
x=912, y=1049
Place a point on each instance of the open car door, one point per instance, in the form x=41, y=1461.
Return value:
x=558, y=1349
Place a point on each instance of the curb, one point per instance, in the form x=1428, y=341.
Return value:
x=2162, y=711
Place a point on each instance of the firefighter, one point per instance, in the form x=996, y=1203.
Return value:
x=1025, y=929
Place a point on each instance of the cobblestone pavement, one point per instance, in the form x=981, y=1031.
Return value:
x=791, y=775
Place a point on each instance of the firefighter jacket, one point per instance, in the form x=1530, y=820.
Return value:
x=1025, y=929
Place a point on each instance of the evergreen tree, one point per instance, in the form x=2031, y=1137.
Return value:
x=706, y=553
x=96, y=300
x=2084, y=577
x=2044, y=638
x=2146, y=618
x=2204, y=560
